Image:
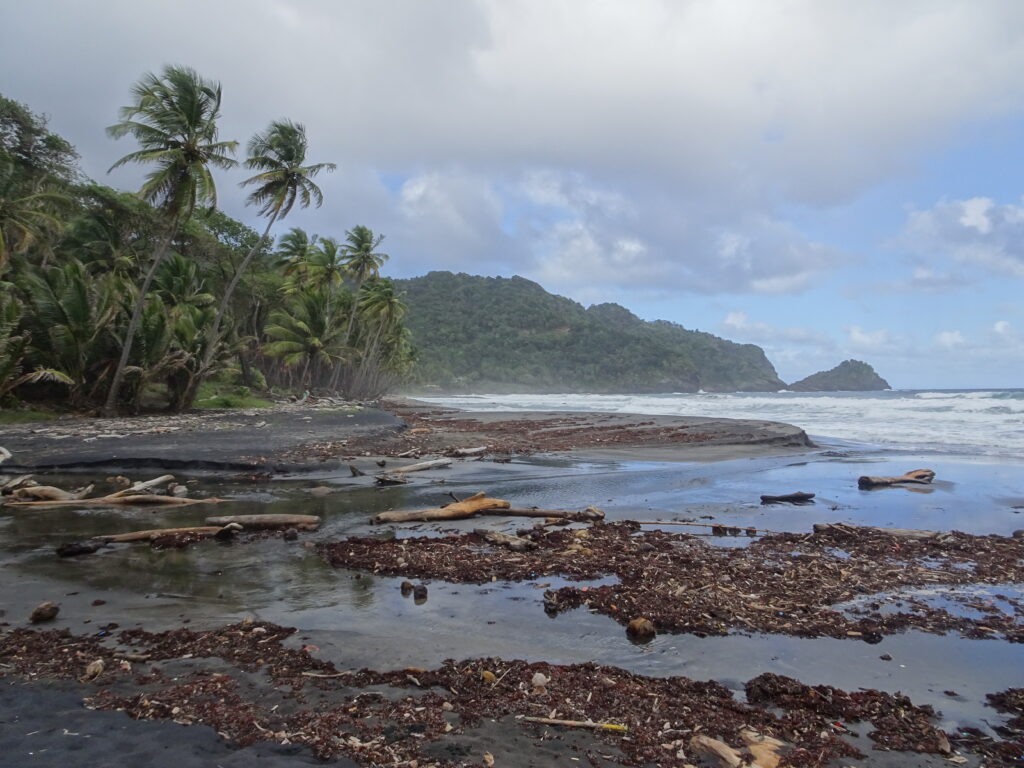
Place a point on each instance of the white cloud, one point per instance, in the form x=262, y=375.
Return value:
x=977, y=232
x=738, y=325
x=950, y=339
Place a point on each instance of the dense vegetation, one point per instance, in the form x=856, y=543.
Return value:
x=510, y=335
x=848, y=376
x=121, y=300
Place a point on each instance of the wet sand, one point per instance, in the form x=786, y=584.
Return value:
x=358, y=619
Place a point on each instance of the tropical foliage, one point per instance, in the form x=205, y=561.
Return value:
x=134, y=300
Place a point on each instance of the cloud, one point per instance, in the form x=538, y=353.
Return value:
x=738, y=325
x=659, y=143
x=977, y=232
x=950, y=339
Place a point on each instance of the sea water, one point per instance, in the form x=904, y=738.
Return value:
x=962, y=422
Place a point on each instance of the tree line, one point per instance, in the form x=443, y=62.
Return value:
x=113, y=300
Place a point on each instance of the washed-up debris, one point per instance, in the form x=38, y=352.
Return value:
x=649, y=720
x=916, y=476
x=44, y=612
x=789, y=498
x=136, y=494
x=830, y=583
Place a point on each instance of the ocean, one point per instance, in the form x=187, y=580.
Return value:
x=960, y=422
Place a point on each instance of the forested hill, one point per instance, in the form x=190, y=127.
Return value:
x=495, y=334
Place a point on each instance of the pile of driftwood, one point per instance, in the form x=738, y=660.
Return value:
x=23, y=491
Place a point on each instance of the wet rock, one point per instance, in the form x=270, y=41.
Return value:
x=76, y=548
x=320, y=490
x=1019, y=534
x=641, y=630
x=419, y=594
x=885, y=657
x=44, y=612
x=290, y=534
x=406, y=587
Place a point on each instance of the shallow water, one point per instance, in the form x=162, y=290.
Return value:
x=362, y=620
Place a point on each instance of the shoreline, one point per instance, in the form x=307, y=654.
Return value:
x=301, y=438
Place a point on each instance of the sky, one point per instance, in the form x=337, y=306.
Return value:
x=824, y=179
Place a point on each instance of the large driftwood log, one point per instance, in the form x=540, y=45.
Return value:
x=254, y=522
x=49, y=493
x=457, y=511
x=789, y=498
x=463, y=452
x=920, y=476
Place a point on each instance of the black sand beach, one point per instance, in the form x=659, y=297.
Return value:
x=356, y=619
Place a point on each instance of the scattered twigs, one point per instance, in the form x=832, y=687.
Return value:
x=515, y=543
x=747, y=530
x=258, y=522
x=577, y=724
x=789, y=498
x=919, y=476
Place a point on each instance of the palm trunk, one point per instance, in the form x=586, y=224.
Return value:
x=110, y=407
x=214, y=340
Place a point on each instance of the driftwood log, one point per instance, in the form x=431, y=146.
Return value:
x=582, y=515
x=457, y=511
x=142, y=485
x=919, y=476
x=903, y=533
x=149, y=535
x=49, y=493
x=16, y=482
x=479, y=504
x=258, y=522
x=789, y=498
x=422, y=466
x=463, y=452
x=124, y=501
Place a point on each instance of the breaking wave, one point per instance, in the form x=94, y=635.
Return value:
x=989, y=422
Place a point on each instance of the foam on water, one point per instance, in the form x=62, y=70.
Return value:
x=987, y=422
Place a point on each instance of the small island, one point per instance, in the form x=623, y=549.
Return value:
x=848, y=376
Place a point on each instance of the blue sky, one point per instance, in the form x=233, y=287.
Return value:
x=827, y=180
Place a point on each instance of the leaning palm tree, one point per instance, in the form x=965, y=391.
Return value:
x=174, y=119
x=363, y=262
x=26, y=217
x=278, y=154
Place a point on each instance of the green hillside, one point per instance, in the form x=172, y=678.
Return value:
x=848, y=376
x=500, y=334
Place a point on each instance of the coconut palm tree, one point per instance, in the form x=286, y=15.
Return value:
x=26, y=217
x=174, y=119
x=279, y=154
x=306, y=333
x=363, y=262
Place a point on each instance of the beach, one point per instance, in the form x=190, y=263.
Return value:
x=698, y=470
